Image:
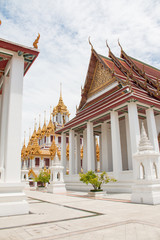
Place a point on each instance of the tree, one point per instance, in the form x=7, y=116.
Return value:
x=95, y=180
x=43, y=177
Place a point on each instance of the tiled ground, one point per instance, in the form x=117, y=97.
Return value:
x=75, y=216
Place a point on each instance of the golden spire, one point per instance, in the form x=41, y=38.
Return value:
x=39, y=129
x=24, y=138
x=35, y=43
x=61, y=107
x=50, y=127
x=43, y=131
x=29, y=134
x=0, y=22
x=60, y=90
x=34, y=132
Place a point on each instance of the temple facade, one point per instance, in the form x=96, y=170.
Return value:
x=118, y=95
x=43, y=144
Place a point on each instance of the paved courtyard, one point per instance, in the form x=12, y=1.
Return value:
x=76, y=216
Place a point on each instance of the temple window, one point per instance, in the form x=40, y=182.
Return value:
x=46, y=162
x=37, y=162
x=59, y=139
x=44, y=139
x=51, y=138
x=67, y=140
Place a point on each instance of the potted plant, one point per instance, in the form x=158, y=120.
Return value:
x=96, y=180
x=42, y=178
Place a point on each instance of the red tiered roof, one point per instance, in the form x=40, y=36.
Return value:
x=135, y=80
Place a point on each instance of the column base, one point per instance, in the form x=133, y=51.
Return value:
x=13, y=199
x=146, y=193
x=56, y=188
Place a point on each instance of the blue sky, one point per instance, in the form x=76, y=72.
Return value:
x=64, y=26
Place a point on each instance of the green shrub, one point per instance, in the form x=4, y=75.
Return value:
x=43, y=177
x=95, y=180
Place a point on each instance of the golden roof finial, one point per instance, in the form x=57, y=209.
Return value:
x=29, y=133
x=108, y=46
x=50, y=113
x=24, y=137
x=60, y=90
x=35, y=124
x=119, y=44
x=35, y=43
x=0, y=22
x=90, y=42
x=39, y=120
x=45, y=117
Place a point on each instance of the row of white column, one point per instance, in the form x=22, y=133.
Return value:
x=132, y=139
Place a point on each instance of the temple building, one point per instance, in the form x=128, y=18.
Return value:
x=42, y=145
x=118, y=95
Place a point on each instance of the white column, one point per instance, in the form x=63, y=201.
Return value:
x=104, y=147
x=100, y=149
x=12, y=152
x=134, y=129
x=152, y=131
x=84, y=161
x=71, y=153
x=1, y=167
x=77, y=158
x=116, y=144
x=63, y=151
x=128, y=143
x=90, y=147
x=3, y=126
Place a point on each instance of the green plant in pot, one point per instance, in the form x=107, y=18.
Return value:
x=42, y=178
x=96, y=180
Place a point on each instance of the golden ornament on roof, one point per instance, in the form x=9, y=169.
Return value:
x=35, y=43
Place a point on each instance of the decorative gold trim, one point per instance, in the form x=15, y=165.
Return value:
x=101, y=79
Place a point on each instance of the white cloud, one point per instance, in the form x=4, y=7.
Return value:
x=64, y=26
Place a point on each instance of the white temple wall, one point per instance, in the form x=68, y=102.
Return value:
x=123, y=145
